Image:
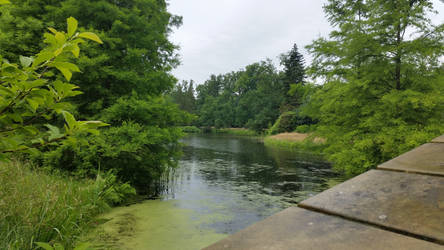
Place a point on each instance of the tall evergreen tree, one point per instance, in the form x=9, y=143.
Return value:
x=293, y=73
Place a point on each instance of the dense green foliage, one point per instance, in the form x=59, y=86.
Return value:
x=124, y=81
x=39, y=207
x=30, y=92
x=136, y=54
x=384, y=89
x=138, y=154
x=248, y=98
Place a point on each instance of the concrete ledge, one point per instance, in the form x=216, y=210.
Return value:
x=296, y=228
x=439, y=139
x=425, y=159
x=401, y=202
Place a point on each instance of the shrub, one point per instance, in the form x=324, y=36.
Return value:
x=139, y=147
x=190, y=129
x=288, y=121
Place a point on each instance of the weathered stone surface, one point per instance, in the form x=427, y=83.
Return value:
x=428, y=159
x=296, y=228
x=439, y=139
x=410, y=203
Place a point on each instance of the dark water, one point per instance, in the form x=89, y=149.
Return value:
x=237, y=181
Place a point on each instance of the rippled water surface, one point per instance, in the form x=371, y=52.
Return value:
x=223, y=184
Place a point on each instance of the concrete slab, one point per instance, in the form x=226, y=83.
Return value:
x=409, y=203
x=296, y=228
x=439, y=139
x=425, y=159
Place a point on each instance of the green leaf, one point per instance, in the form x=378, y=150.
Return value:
x=45, y=246
x=75, y=51
x=69, y=119
x=26, y=61
x=34, y=104
x=67, y=65
x=66, y=72
x=31, y=130
x=60, y=37
x=91, y=36
x=54, y=31
x=35, y=83
x=42, y=57
x=4, y=2
x=72, y=26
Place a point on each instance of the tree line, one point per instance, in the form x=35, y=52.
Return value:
x=252, y=97
x=382, y=90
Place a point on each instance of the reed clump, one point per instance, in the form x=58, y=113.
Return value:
x=39, y=207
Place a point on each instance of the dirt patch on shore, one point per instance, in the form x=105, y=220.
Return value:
x=295, y=137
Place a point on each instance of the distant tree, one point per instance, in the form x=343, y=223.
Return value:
x=293, y=73
x=183, y=95
x=246, y=98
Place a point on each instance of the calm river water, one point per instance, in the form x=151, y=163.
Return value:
x=222, y=185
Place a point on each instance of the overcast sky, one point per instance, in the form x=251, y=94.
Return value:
x=219, y=36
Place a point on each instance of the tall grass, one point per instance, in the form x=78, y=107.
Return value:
x=37, y=207
x=306, y=145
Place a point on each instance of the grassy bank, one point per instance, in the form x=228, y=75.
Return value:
x=235, y=131
x=294, y=141
x=38, y=207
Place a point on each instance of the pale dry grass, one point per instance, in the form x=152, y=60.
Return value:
x=295, y=137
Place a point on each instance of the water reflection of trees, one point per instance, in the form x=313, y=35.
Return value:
x=245, y=162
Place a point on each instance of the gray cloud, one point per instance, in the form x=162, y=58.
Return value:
x=220, y=36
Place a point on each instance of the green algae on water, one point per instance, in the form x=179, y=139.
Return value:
x=154, y=225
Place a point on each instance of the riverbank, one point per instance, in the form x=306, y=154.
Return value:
x=213, y=130
x=236, y=131
x=294, y=141
x=36, y=206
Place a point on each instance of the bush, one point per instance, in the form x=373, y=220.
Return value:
x=190, y=129
x=139, y=148
x=303, y=129
x=288, y=121
x=37, y=207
